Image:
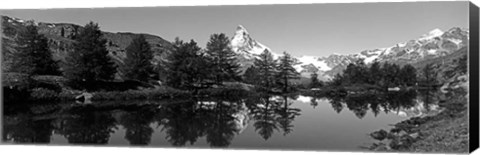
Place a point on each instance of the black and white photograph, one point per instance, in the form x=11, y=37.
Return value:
x=355, y=77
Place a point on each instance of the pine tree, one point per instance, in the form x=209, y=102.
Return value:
x=33, y=56
x=338, y=80
x=89, y=61
x=360, y=73
x=187, y=67
x=62, y=32
x=356, y=73
x=286, y=71
x=314, y=82
x=251, y=75
x=138, y=64
x=390, y=75
x=374, y=73
x=266, y=69
x=223, y=58
x=408, y=75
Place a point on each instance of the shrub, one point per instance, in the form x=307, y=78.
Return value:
x=43, y=94
x=52, y=80
x=156, y=93
x=109, y=85
x=68, y=94
x=16, y=87
x=18, y=80
x=223, y=92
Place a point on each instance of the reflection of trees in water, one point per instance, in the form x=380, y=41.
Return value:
x=221, y=129
x=359, y=104
x=88, y=127
x=137, y=125
x=271, y=113
x=181, y=124
x=264, y=115
x=313, y=102
x=396, y=101
x=337, y=103
x=428, y=96
x=286, y=115
x=186, y=122
x=218, y=120
x=26, y=130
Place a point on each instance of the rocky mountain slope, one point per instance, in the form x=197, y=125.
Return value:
x=60, y=38
x=434, y=44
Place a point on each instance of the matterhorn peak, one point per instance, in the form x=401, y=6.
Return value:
x=242, y=43
x=240, y=27
x=242, y=31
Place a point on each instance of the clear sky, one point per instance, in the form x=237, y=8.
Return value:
x=315, y=29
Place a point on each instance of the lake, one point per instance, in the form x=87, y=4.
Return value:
x=292, y=122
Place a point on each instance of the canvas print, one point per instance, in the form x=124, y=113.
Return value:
x=369, y=77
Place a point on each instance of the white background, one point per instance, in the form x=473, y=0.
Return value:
x=77, y=150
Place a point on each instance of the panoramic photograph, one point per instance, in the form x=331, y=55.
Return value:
x=358, y=77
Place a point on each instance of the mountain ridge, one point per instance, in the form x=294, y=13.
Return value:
x=433, y=44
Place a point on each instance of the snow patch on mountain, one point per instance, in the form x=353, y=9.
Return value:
x=306, y=60
x=51, y=25
x=432, y=34
x=401, y=44
x=456, y=41
x=432, y=51
x=370, y=59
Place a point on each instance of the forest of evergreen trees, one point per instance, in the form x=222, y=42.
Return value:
x=377, y=74
x=271, y=74
x=187, y=66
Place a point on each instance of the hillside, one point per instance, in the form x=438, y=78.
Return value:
x=61, y=38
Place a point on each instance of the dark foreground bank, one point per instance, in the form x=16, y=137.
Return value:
x=22, y=88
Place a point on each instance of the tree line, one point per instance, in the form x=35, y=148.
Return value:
x=187, y=66
x=273, y=74
x=378, y=74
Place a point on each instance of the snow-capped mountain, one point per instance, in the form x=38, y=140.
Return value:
x=433, y=44
x=244, y=45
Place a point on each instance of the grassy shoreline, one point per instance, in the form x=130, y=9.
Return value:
x=441, y=133
x=22, y=88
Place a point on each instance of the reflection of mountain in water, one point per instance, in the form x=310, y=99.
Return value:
x=426, y=104
x=240, y=116
x=420, y=109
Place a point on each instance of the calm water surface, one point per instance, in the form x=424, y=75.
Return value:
x=271, y=122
